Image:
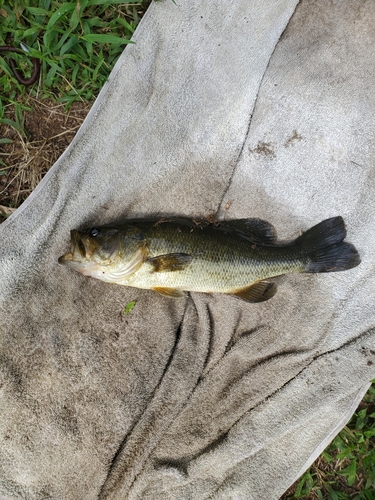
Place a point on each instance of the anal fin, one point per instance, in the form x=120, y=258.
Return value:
x=259, y=292
x=170, y=292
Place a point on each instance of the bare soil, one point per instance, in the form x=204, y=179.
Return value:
x=46, y=132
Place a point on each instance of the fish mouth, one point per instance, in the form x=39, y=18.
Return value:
x=78, y=250
x=64, y=259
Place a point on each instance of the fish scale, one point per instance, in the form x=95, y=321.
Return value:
x=222, y=261
x=234, y=257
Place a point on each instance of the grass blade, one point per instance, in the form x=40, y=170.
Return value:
x=59, y=14
x=109, y=2
x=98, y=38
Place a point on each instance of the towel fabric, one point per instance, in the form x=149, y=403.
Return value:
x=242, y=108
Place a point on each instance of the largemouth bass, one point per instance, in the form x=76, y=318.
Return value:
x=234, y=257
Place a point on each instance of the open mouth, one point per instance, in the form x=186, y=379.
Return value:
x=77, y=243
x=77, y=251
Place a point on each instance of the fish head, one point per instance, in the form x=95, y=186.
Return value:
x=107, y=253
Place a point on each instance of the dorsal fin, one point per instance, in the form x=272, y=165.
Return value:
x=257, y=231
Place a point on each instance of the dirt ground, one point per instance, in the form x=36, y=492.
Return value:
x=46, y=132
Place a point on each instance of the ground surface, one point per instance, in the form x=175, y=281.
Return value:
x=46, y=132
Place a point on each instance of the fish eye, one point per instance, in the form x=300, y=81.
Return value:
x=94, y=232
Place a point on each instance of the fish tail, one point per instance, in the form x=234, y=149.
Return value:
x=325, y=248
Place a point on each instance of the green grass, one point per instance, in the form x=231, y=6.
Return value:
x=77, y=43
x=346, y=469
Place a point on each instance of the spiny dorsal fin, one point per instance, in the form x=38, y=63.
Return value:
x=170, y=292
x=257, y=230
x=170, y=262
x=259, y=292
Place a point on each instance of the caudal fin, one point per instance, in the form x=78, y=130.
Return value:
x=326, y=249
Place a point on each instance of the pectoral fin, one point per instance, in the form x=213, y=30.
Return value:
x=170, y=292
x=259, y=292
x=170, y=262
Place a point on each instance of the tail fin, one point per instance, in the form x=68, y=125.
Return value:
x=326, y=249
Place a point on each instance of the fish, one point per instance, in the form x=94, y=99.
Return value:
x=175, y=256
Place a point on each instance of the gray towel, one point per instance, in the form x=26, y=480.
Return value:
x=236, y=108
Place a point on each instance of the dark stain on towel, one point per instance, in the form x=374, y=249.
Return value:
x=295, y=137
x=263, y=149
